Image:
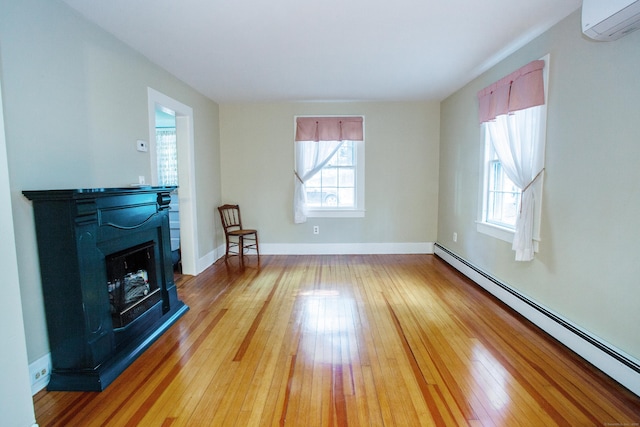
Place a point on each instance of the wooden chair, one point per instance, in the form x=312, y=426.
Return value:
x=238, y=239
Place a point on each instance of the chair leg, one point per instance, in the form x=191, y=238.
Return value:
x=257, y=250
x=241, y=250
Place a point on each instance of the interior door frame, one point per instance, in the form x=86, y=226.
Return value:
x=186, y=172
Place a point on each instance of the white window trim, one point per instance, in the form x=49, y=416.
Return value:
x=502, y=233
x=359, y=210
x=494, y=230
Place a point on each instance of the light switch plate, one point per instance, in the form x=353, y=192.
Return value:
x=142, y=146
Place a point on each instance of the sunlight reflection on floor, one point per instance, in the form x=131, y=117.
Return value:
x=327, y=324
x=490, y=377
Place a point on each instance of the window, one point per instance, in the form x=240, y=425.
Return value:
x=502, y=197
x=334, y=186
x=337, y=190
x=167, y=156
x=513, y=122
x=329, y=168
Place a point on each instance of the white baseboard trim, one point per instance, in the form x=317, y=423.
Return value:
x=612, y=361
x=206, y=261
x=323, y=249
x=345, y=248
x=39, y=373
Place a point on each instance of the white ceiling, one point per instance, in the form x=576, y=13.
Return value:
x=325, y=50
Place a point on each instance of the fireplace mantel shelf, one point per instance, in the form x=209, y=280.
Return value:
x=90, y=193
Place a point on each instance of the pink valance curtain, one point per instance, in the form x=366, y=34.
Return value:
x=329, y=129
x=524, y=88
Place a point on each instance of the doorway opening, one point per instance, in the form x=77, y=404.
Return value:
x=167, y=174
x=168, y=116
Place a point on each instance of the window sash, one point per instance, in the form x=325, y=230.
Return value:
x=350, y=197
x=502, y=198
x=334, y=186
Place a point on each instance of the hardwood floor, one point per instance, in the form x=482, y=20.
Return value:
x=380, y=340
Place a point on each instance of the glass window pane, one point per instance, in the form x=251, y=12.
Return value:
x=346, y=177
x=314, y=196
x=330, y=197
x=346, y=197
x=329, y=176
x=345, y=155
x=314, y=181
x=502, y=198
x=333, y=161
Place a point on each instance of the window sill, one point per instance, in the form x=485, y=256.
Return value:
x=501, y=233
x=336, y=213
x=496, y=231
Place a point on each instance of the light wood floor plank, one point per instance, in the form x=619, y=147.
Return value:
x=379, y=340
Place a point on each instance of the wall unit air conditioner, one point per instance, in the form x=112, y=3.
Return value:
x=608, y=20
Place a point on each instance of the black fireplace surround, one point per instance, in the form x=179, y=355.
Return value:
x=107, y=279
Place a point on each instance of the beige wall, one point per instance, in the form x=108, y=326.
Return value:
x=16, y=405
x=75, y=102
x=587, y=269
x=401, y=173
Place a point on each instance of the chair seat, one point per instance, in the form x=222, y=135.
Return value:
x=243, y=232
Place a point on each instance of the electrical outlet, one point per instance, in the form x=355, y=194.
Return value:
x=40, y=374
x=455, y=237
x=316, y=229
x=40, y=371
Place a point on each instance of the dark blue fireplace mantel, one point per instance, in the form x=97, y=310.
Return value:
x=78, y=231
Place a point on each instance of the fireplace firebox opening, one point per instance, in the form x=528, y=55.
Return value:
x=131, y=283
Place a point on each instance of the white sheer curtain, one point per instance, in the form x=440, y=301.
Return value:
x=167, y=156
x=311, y=156
x=518, y=139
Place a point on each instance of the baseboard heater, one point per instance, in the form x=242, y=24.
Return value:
x=613, y=362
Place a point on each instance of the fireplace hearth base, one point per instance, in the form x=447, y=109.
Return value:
x=98, y=378
x=79, y=232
